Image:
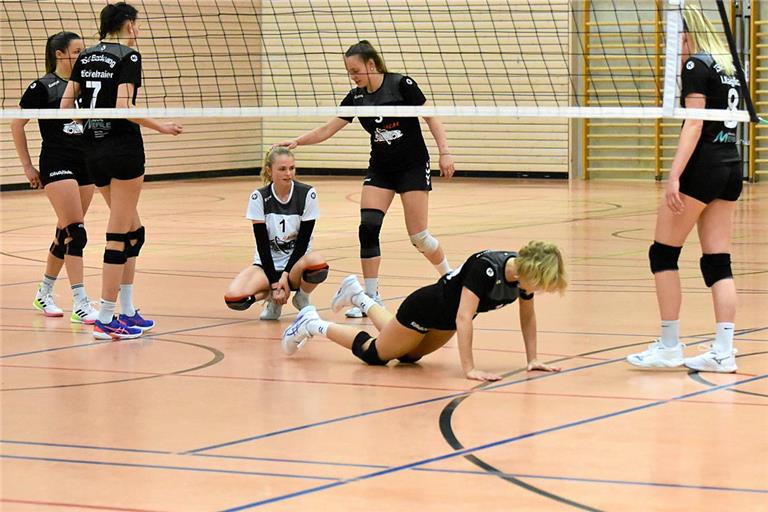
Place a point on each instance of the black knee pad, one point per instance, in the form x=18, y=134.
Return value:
x=408, y=360
x=369, y=355
x=240, y=303
x=138, y=237
x=57, y=248
x=78, y=239
x=315, y=274
x=715, y=267
x=663, y=257
x=113, y=256
x=370, y=228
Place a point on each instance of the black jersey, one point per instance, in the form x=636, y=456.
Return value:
x=701, y=74
x=100, y=70
x=396, y=142
x=62, y=138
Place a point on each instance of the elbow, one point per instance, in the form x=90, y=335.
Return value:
x=463, y=319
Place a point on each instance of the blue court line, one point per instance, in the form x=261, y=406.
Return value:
x=445, y=397
x=175, y=468
x=84, y=447
x=486, y=446
x=393, y=408
x=55, y=349
x=596, y=480
x=292, y=461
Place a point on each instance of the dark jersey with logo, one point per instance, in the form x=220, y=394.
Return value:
x=62, y=138
x=717, y=144
x=396, y=142
x=100, y=70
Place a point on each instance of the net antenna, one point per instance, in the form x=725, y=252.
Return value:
x=283, y=58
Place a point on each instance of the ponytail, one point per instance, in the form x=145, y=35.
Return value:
x=269, y=159
x=367, y=52
x=57, y=42
x=704, y=37
x=114, y=16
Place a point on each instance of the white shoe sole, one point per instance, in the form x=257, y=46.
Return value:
x=107, y=336
x=659, y=364
x=720, y=369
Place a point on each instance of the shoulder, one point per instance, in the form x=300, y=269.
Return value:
x=699, y=61
x=304, y=191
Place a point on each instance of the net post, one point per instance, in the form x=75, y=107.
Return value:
x=752, y=166
x=672, y=56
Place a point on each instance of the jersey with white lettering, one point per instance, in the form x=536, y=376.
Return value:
x=717, y=143
x=283, y=218
x=100, y=70
x=396, y=142
x=62, y=138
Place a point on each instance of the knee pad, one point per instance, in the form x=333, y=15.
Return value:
x=369, y=355
x=114, y=256
x=663, y=257
x=408, y=360
x=715, y=267
x=78, y=239
x=133, y=250
x=424, y=242
x=315, y=274
x=240, y=303
x=57, y=247
x=370, y=228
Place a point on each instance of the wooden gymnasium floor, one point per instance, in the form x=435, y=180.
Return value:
x=208, y=414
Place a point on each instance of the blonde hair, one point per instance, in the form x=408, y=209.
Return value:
x=704, y=37
x=542, y=264
x=269, y=159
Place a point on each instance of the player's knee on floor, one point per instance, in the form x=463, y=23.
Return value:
x=364, y=347
x=370, y=229
x=117, y=256
x=663, y=257
x=76, y=239
x=239, y=303
x=406, y=359
x=424, y=242
x=315, y=274
x=715, y=267
x=58, y=248
x=136, y=242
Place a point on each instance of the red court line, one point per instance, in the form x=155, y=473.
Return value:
x=363, y=384
x=75, y=505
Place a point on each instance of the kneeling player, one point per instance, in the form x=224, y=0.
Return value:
x=283, y=213
x=430, y=316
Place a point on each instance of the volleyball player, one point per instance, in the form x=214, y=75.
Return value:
x=431, y=315
x=704, y=183
x=62, y=175
x=109, y=75
x=399, y=161
x=283, y=213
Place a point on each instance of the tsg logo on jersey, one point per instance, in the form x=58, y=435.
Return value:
x=134, y=58
x=690, y=65
x=489, y=272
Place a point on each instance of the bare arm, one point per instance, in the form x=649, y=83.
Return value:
x=528, y=328
x=316, y=136
x=447, y=167
x=464, y=332
x=22, y=149
x=689, y=138
x=125, y=93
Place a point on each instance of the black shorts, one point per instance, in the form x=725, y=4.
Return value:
x=412, y=178
x=425, y=309
x=57, y=168
x=707, y=183
x=104, y=169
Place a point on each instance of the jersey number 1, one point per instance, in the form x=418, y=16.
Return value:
x=96, y=86
x=282, y=223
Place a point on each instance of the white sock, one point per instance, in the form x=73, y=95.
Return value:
x=723, y=337
x=319, y=326
x=364, y=302
x=443, y=267
x=670, y=333
x=302, y=293
x=78, y=293
x=126, y=300
x=46, y=285
x=371, y=286
x=107, y=311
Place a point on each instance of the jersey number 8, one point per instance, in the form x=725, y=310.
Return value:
x=733, y=104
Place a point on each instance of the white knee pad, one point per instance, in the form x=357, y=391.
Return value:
x=425, y=242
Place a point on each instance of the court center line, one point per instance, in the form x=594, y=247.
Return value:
x=460, y=453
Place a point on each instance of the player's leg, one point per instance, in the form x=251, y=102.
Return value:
x=351, y=293
x=432, y=341
x=305, y=276
x=249, y=286
x=671, y=231
x=715, y=227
